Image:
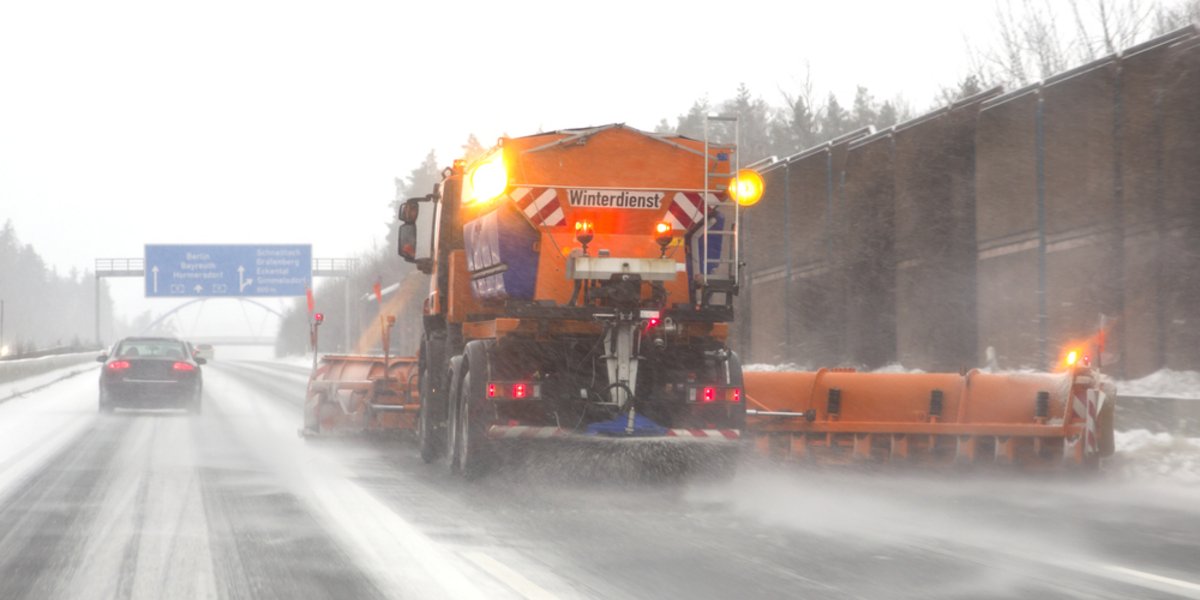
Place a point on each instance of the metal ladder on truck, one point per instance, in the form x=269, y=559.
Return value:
x=718, y=249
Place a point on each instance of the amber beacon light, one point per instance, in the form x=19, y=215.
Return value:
x=747, y=188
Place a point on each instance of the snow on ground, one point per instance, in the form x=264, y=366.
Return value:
x=1164, y=383
x=774, y=368
x=32, y=383
x=36, y=426
x=769, y=368
x=1145, y=455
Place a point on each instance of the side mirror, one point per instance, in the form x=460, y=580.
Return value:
x=101, y=358
x=200, y=361
x=410, y=210
x=407, y=238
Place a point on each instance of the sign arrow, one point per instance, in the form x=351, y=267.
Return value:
x=155, y=271
x=199, y=288
x=243, y=283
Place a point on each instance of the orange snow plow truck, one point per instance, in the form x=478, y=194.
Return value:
x=582, y=286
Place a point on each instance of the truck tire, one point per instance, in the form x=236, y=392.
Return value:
x=476, y=455
x=431, y=417
x=453, y=385
x=733, y=365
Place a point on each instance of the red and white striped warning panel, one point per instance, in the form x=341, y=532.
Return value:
x=687, y=208
x=527, y=432
x=729, y=434
x=540, y=205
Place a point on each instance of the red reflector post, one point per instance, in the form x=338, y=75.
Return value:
x=118, y=365
x=182, y=366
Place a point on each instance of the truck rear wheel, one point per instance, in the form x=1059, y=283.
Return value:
x=475, y=453
x=453, y=385
x=471, y=451
x=432, y=414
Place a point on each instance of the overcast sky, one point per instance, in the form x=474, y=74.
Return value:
x=126, y=123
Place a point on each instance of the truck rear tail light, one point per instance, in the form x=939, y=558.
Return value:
x=182, y=366
x=713, y=393
x=514, y=390
x=118, y=365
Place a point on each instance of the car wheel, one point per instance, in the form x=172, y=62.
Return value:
x=195, y=407
x=105, y=404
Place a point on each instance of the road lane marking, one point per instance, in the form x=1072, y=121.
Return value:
x=511, y=578
x=1179, y=583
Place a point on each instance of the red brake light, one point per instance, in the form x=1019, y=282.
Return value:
x=520, y=390
x=182, y=366
x=118, y=365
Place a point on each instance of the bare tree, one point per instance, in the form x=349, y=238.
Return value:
x=1031, y=46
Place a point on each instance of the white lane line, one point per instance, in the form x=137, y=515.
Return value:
x=1178, y=583
x=511, y=578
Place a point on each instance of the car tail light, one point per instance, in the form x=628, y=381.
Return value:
x=118, y=365
x=182, y=366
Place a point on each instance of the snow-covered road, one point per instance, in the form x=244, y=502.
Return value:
x=233, y=504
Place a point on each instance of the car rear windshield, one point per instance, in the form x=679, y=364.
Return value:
x=151, y=348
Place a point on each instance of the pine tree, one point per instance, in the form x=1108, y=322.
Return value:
x=472, y=149
x=863, y=113
x=834, y=120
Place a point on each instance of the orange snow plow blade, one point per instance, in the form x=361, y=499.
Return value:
x=353, y=394
x=1033, y=420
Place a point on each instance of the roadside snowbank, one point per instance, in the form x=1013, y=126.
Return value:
x=1143, y=454
x=1164, y=383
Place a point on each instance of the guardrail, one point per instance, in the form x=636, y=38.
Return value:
x=12, y=370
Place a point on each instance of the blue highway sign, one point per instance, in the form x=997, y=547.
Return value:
x=174, y=271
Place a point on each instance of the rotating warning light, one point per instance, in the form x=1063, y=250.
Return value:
x=1072, y=358
x=747, y=188
x=663, y=234
x=488, y=179
x=584, y=232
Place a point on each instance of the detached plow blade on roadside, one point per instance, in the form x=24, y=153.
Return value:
x=1025, y=420
x=356, y=394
